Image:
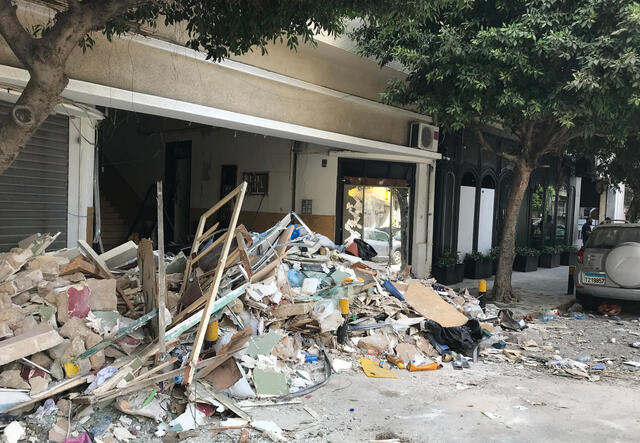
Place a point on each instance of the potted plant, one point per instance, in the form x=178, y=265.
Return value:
x=444, y=269
x=526, y=259
x=493, y=255
x=459, y=268
x=569, y=255
x=549, y=257
x=477, y=265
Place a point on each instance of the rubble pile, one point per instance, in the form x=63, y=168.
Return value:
x=243, y=319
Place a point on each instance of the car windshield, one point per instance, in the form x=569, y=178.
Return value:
x=611, y=237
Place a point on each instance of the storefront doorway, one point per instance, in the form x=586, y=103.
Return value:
x=377, y=210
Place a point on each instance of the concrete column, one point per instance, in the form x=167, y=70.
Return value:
x=423, y=219
x=80, y=194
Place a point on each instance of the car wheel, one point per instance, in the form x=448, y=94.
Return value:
x=396, y=257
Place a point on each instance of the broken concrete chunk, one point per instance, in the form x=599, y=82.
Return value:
x=103, y=294
x=5, y=331
x=27, y=324
x=12, y=317
x=11, y=378
x=56, y=352
x=78, y=301
x=41, y=338
x=38, y=242
x=97, y=360
x=14, y=432
x=24, y=298
x=75, y=327
x=48, y=264
x=377, y=342
x=59, y=431
x=41, y=359
x=38, y=384
x=120, y=255
x=12, y=261
x=22, y=281
x=286, y=310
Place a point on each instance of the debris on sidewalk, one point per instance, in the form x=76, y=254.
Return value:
x=245, y=316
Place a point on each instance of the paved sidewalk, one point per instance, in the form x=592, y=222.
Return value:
x=548, y=281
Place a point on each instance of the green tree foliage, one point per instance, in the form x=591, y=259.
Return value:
x=219, y=28
x=547, y=71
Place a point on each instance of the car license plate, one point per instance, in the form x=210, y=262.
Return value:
x=594, y=279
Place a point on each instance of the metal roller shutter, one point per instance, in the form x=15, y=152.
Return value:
x=34, y=190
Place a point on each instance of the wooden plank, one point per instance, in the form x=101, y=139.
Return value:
x=210, y=231
x=209, y=248
x=430, y=305
x=162, y=272
x=79, y=264
x=104, y=269
x=55, y=390
x=147, y=266
x=209, y=363
x=213, y=291
x=38, y=339
x=244, y=257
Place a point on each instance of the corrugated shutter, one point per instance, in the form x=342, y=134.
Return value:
x=34, y=190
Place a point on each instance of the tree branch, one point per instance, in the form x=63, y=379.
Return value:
x=487, y=147
x=82, y=18
x=18, y=39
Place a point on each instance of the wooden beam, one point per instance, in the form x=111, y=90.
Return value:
x=147, y=267
x=213, y=291
x=104, y=269
x=210, y=231
x=244, y=257
x=38, y=339
x=209, y=248
x=162, y=272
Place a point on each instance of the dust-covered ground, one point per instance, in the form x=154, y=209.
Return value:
x=512, y=395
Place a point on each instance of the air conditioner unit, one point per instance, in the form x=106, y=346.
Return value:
x=424, y=136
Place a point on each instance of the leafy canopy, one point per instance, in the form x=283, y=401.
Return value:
x=222, y=28
x=572, y=67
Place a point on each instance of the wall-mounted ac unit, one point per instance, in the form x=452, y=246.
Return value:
x=424, y=136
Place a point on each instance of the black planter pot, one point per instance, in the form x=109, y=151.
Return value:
x=525, y=263
x=459, y=272
x=569, y=258
x=494, y=267
x=445, y=275
x=477, y=269
x=549, y=260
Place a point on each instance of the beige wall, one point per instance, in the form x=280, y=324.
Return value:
x=130, y=65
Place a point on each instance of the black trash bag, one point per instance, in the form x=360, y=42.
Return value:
x=462, y=339
x=362, y=249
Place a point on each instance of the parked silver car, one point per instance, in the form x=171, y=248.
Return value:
x=380, y=241
x=609, y=264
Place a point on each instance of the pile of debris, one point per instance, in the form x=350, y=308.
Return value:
x=179, y=339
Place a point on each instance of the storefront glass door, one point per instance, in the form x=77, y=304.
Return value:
x=379, y=216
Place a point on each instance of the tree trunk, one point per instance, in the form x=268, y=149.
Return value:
x=33, y=107
x=502, y=290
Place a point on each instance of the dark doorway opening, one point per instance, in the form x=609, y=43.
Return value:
x=177, y=185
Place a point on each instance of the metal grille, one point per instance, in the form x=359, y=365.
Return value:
x=34, y=190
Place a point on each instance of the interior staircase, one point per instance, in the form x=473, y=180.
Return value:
x=114, y=226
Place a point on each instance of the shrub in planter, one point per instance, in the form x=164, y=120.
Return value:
x=459, y=272
x=526, y=259
x=477, y=265
x=493, y=255
x=549, y=257
x=569, y=255
x=444, y=269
